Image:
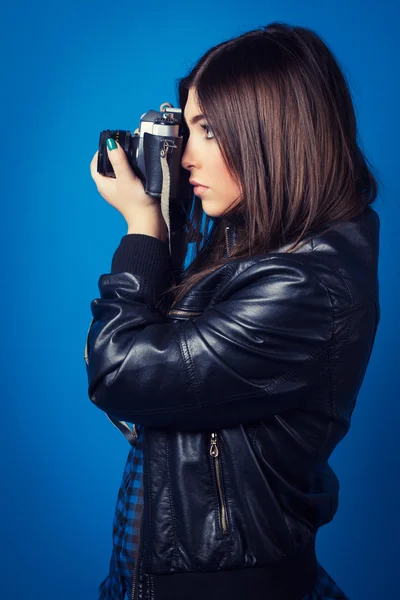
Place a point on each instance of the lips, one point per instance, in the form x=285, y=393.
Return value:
x=199, y=189
x=196, y=183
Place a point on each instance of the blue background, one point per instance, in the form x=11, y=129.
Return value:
x=69, y=71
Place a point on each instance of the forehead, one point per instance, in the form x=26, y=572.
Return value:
x=191, y=107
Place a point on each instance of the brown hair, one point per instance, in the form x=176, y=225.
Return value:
x=281, y=112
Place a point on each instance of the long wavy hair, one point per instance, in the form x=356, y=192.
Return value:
x=281, y=113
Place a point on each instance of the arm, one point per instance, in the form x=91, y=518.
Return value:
x=246, y=358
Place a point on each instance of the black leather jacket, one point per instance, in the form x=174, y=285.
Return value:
x=244, y=390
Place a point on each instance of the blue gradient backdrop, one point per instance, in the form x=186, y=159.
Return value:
x=68, y=71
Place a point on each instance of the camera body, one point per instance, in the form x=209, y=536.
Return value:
x=158, y=130
x=155, y=145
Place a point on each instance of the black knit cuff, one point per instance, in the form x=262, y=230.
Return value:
x=146, y=256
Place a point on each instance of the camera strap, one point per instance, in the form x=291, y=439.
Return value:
x=130, y=434
x=174, y=214
x=165, y=190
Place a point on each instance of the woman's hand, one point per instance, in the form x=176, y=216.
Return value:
x=125, y=192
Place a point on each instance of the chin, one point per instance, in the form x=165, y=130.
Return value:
x=211, y=209
x=212, y=213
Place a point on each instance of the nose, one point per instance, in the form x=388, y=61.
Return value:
x=187, y=160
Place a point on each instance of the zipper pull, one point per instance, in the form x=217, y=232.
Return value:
x=214, y=448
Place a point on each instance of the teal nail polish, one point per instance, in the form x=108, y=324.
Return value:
x=111, y=144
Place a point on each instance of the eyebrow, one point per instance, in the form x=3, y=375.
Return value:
x=195, y=119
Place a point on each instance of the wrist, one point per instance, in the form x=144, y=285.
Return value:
x=148, y=221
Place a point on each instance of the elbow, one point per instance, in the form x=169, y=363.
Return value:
x=101, y=392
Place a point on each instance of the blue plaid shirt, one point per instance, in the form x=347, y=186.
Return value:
x=118, y=583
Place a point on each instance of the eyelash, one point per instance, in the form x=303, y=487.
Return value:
x=206, y=128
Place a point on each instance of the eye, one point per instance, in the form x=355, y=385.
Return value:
x=208, y=130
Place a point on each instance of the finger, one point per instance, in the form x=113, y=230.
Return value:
x=93, y=165
x=98, y=177
x=120, y=163
x=104, y=184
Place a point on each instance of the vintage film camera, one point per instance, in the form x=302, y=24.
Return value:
x=154, y=152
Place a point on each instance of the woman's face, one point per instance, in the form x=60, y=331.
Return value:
x=203, y=159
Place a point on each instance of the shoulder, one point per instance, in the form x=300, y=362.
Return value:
x=340, y=267
x=283, y=277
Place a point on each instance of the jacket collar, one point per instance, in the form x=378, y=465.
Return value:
x=231, y=224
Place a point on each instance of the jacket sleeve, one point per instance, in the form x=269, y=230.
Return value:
x=251, y=355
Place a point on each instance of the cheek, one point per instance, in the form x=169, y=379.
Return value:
x=227, y=183
x=219, y=171
x=220, y=175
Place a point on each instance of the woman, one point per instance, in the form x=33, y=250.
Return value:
x=242, y=374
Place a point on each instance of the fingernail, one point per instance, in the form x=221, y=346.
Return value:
x=111, y=144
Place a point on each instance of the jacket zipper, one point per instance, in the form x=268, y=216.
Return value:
x=227, y=240
x=214, y=452
x=137, y=561
x=184, y=313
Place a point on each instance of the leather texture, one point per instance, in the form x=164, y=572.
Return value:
x=152, y=145
x=264, y=358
